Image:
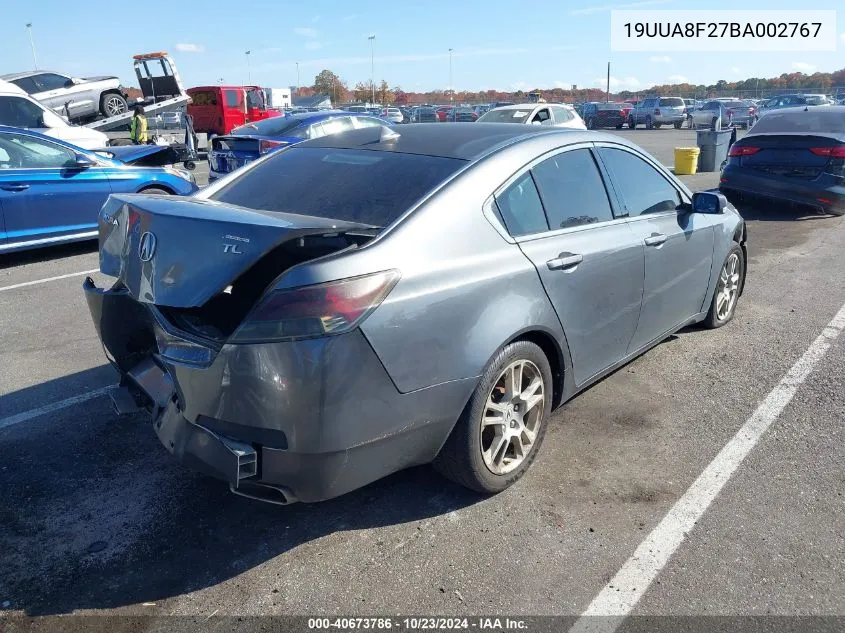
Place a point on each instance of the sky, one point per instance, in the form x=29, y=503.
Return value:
x=497, y=44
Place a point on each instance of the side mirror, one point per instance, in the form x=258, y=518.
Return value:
x=81, y=161
x=708, y=202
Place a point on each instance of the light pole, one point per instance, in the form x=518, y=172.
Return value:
x=32, y=44
x=248, y=70
x=297, y=79
x=372, y=39
x=451, y=87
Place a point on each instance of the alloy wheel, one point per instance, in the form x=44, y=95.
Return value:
x=115, y=106
x=512, y=417
x=727, y=290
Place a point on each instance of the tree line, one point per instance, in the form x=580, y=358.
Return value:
x=331, y=84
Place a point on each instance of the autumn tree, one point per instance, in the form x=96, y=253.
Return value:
x=328, y=83
x=383, y=93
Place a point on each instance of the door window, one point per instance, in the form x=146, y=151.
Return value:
x=50, y=81
x=233, y=98
x=641, y=188
x=20, y=112
x=362, y=121
x=542, y=116
x=520, y=209
x=572, y=190
x=26, y=152
x=331, y=126
x=562, y=115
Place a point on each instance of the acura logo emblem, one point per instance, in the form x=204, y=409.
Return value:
x=147, y=247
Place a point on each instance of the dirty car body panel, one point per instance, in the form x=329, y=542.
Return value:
x=282, y=411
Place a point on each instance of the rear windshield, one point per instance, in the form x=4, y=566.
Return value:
x=274, y=126
x=672, y=102
x=364, y=186
x=508, y=115
x=830, y=120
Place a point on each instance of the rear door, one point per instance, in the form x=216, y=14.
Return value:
x=234, y=113
x=207, y=111
x=44, y=195
x=590, y=263
x=678, y=245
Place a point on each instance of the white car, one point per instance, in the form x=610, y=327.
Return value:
x=394, y=115
x=18, y=109
x=551, y=114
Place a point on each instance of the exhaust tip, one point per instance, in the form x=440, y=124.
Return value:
x=278, y=495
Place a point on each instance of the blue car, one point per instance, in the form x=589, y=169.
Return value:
x=251, y=141
x=51, y=191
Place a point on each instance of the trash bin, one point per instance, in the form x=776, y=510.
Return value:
x=686, y=160
x=714, y=149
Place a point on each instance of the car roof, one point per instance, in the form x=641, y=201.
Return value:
x=31, y=73
x=463, y=141
x=33, y=133
x=6, y=87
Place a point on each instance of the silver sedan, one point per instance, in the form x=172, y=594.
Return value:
x=364, y=302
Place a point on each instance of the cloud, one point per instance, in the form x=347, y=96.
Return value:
x=519, y=85
x=678, y=79
x=565, y=85
x=660, y=59
x=306, y=31
x=313, y=45
x=350, y=17
x=803, y=67
x=419, y=57
x=736, y=70
x=315, y=19
x=275, y=49
x=617, y=7
x=626, y=83
x=190, y=48
x=842, y=37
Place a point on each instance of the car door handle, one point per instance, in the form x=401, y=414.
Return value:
x=14, y=187
x=564, y=261
x=655, y=239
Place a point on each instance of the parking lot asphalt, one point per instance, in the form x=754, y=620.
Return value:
x=98, y=518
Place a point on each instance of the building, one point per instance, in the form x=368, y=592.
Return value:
x=321, y=102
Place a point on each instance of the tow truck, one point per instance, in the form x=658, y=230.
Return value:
x=161, y=86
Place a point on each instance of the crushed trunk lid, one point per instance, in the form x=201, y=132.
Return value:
x=180, y=252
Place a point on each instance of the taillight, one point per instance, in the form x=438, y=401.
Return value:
x=268, y=146
x=742, y=150
x=319, y=310
x=837, y=151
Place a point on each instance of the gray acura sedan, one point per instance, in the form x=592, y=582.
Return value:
x=365, y=302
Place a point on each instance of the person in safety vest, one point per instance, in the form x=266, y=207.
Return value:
x=138, y=127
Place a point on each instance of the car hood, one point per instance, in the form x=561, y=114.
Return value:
x=131, y=153
x=100, y=78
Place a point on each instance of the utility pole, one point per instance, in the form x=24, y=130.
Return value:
x=451, y=87
x=372, y=39
x=297, y=79
x=32, y=44
x=248, y=70
x=607, y=95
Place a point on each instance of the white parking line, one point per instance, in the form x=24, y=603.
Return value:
x=50, y=408
x=44, y=281
x=618, y=597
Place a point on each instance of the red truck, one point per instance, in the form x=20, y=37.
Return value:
x=220, y=109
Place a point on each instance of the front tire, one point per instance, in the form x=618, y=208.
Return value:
x=728, y=286
x=502, y=427
x=156, y=191
x=631, y=124
x=678, y=125
x=648, y=124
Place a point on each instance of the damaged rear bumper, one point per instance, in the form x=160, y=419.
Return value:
x=302, y=420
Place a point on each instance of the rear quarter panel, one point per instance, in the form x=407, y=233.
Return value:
x=464, y=292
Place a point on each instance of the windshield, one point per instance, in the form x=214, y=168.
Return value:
x=507, y=115
x=672, y=102
x=274, y=126
x=814, y=120
x=362, y=186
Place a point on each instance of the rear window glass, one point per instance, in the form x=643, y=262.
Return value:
x=814, y=120
x=507, y=115
x=353, y=185
x=274, y=126
x=672, y=102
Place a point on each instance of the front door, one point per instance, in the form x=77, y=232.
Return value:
x=590, y=263
x=678, y=244
x=44, y=195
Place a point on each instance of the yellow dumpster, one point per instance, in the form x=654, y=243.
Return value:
x=686, y=160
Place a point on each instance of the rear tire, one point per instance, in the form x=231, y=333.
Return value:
x=631, y=124
x=112, y=104
x=157, y=191
x=728, y=286
x=678, y=125
x=656, y=126
x=619, y=127
x=490, y=457
x=648, y=124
